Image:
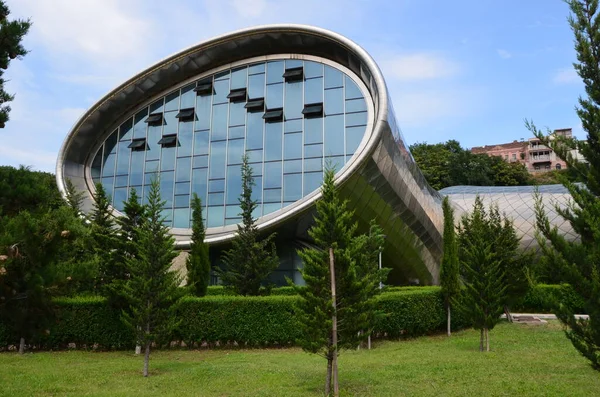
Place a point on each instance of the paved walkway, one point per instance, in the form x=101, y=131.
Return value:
x=543, y=316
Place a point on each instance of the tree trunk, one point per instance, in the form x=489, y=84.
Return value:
x=481, y=340
x=22, y=346
x=508, y=315
x=487, y=339
x=146, y=359
x=328, y=377
x=449, y=322
x=138, y=347
x=336, y=386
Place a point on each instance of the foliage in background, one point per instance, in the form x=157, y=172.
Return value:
x=152, y=289
x=23, y=189
x=449, y=268
x=11, y=35
x=578, y=262
x=448, y=164
x=198, y=261
x=251, y=259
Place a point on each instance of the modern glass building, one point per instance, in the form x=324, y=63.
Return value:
x=293, y=98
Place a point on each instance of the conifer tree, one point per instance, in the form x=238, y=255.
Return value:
x=578, y=262
x=74, y=197
x=152, y=289
x=198, y=261
x=342, y=277
x=104, y=239
x=449, y=269
x=11, y=35
x=251, y=259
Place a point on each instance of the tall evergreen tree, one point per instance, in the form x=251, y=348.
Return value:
x=251, y=259
x=152, y=289
x=449, y=269
x=104, y=239
x=198, y=262
x=342, y=277
x=579, y=261
x=74, y=197
x=11, y=35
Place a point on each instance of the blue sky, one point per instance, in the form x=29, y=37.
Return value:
x=470, y=70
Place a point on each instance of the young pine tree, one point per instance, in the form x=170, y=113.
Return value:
x=104, y=239
x=449, y=269
x=152, y=289
x=578, y=262
x=74, y=198
x=342, y=278
x=251, y=259
x=198, y=262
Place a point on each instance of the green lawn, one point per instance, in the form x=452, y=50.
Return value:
x=526, y=360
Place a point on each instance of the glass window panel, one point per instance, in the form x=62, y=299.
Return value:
x=167, y=215
x=334, y=135
x=183, y=170
x=257, y=169
x=119, y=198
x=199, y=185
x=271, y=207
x=336, y=162
x=233, y=211
x=125, y=130
x=313, y=90
x=139, y=128
x=216, y=186
x=181, y=218
x=256, y=86
x=219, y=122
x=110, y=146
x=257, y=189
x=311, y=165
x=334, y=101
x=185, y=138
x=121, y=181
x=272, y=196
x=216, y=199
x=256, y=68
x=292, y=187
x=153, y=148
x=313, y=130
x=292, y=63
x=255, y=156
x=237, y=132
x=238, y=77
x=158, y=106
x=149, y=177
x=291, y=166
x=97, y=164
x=214, y=216
x=170, y=123
x=354, y=119
x=166, y=187
x=312, y=181
x=274, y=96
x=108, y=183
x=293, y=100
x=235, y=151
x=109, y=165
x=292, y=148
x=313, y=69
x=272, y=175
x=145, y=194
x=354, y=136
x=200, y=161
x=182, y=188
x=203, y=111
x=237, y=113
x=167, y=158
x=222, y=75
x=221, y=90
x=273, y=141
x=356, y=105
x=275, y=72
x=136, y=168
x=152, y=166
x=123, y=158
x=201, y=142
x=188, y=97
x=234, y=184
x=217, y=159
x=182, y=201
x=172, y=101
x=333, y=77
x=352, y=90
x=293, y=125
x=254, y=134
x=313, y=150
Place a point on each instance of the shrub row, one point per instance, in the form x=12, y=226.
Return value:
x=543, y=298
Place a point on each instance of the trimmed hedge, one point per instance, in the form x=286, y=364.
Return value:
x=542, y=298
x=219, y=290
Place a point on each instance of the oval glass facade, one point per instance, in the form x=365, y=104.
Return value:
x=290, y=116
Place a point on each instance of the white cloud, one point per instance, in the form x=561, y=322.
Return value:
x=566, y=76
x=420, y=66
x=504, y=54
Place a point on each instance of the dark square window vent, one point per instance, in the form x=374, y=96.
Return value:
x=168, y=140
x=273, y=115
x=204, y=88
x=294, y=74
x=154, y=119
x=185, y=114
x=138, y=144
x=237, y=95
x=313, y=110
x=255, y=105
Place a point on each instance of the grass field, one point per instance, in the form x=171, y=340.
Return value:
x=526, y=360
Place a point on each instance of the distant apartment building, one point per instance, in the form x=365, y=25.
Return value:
x=536, y=156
